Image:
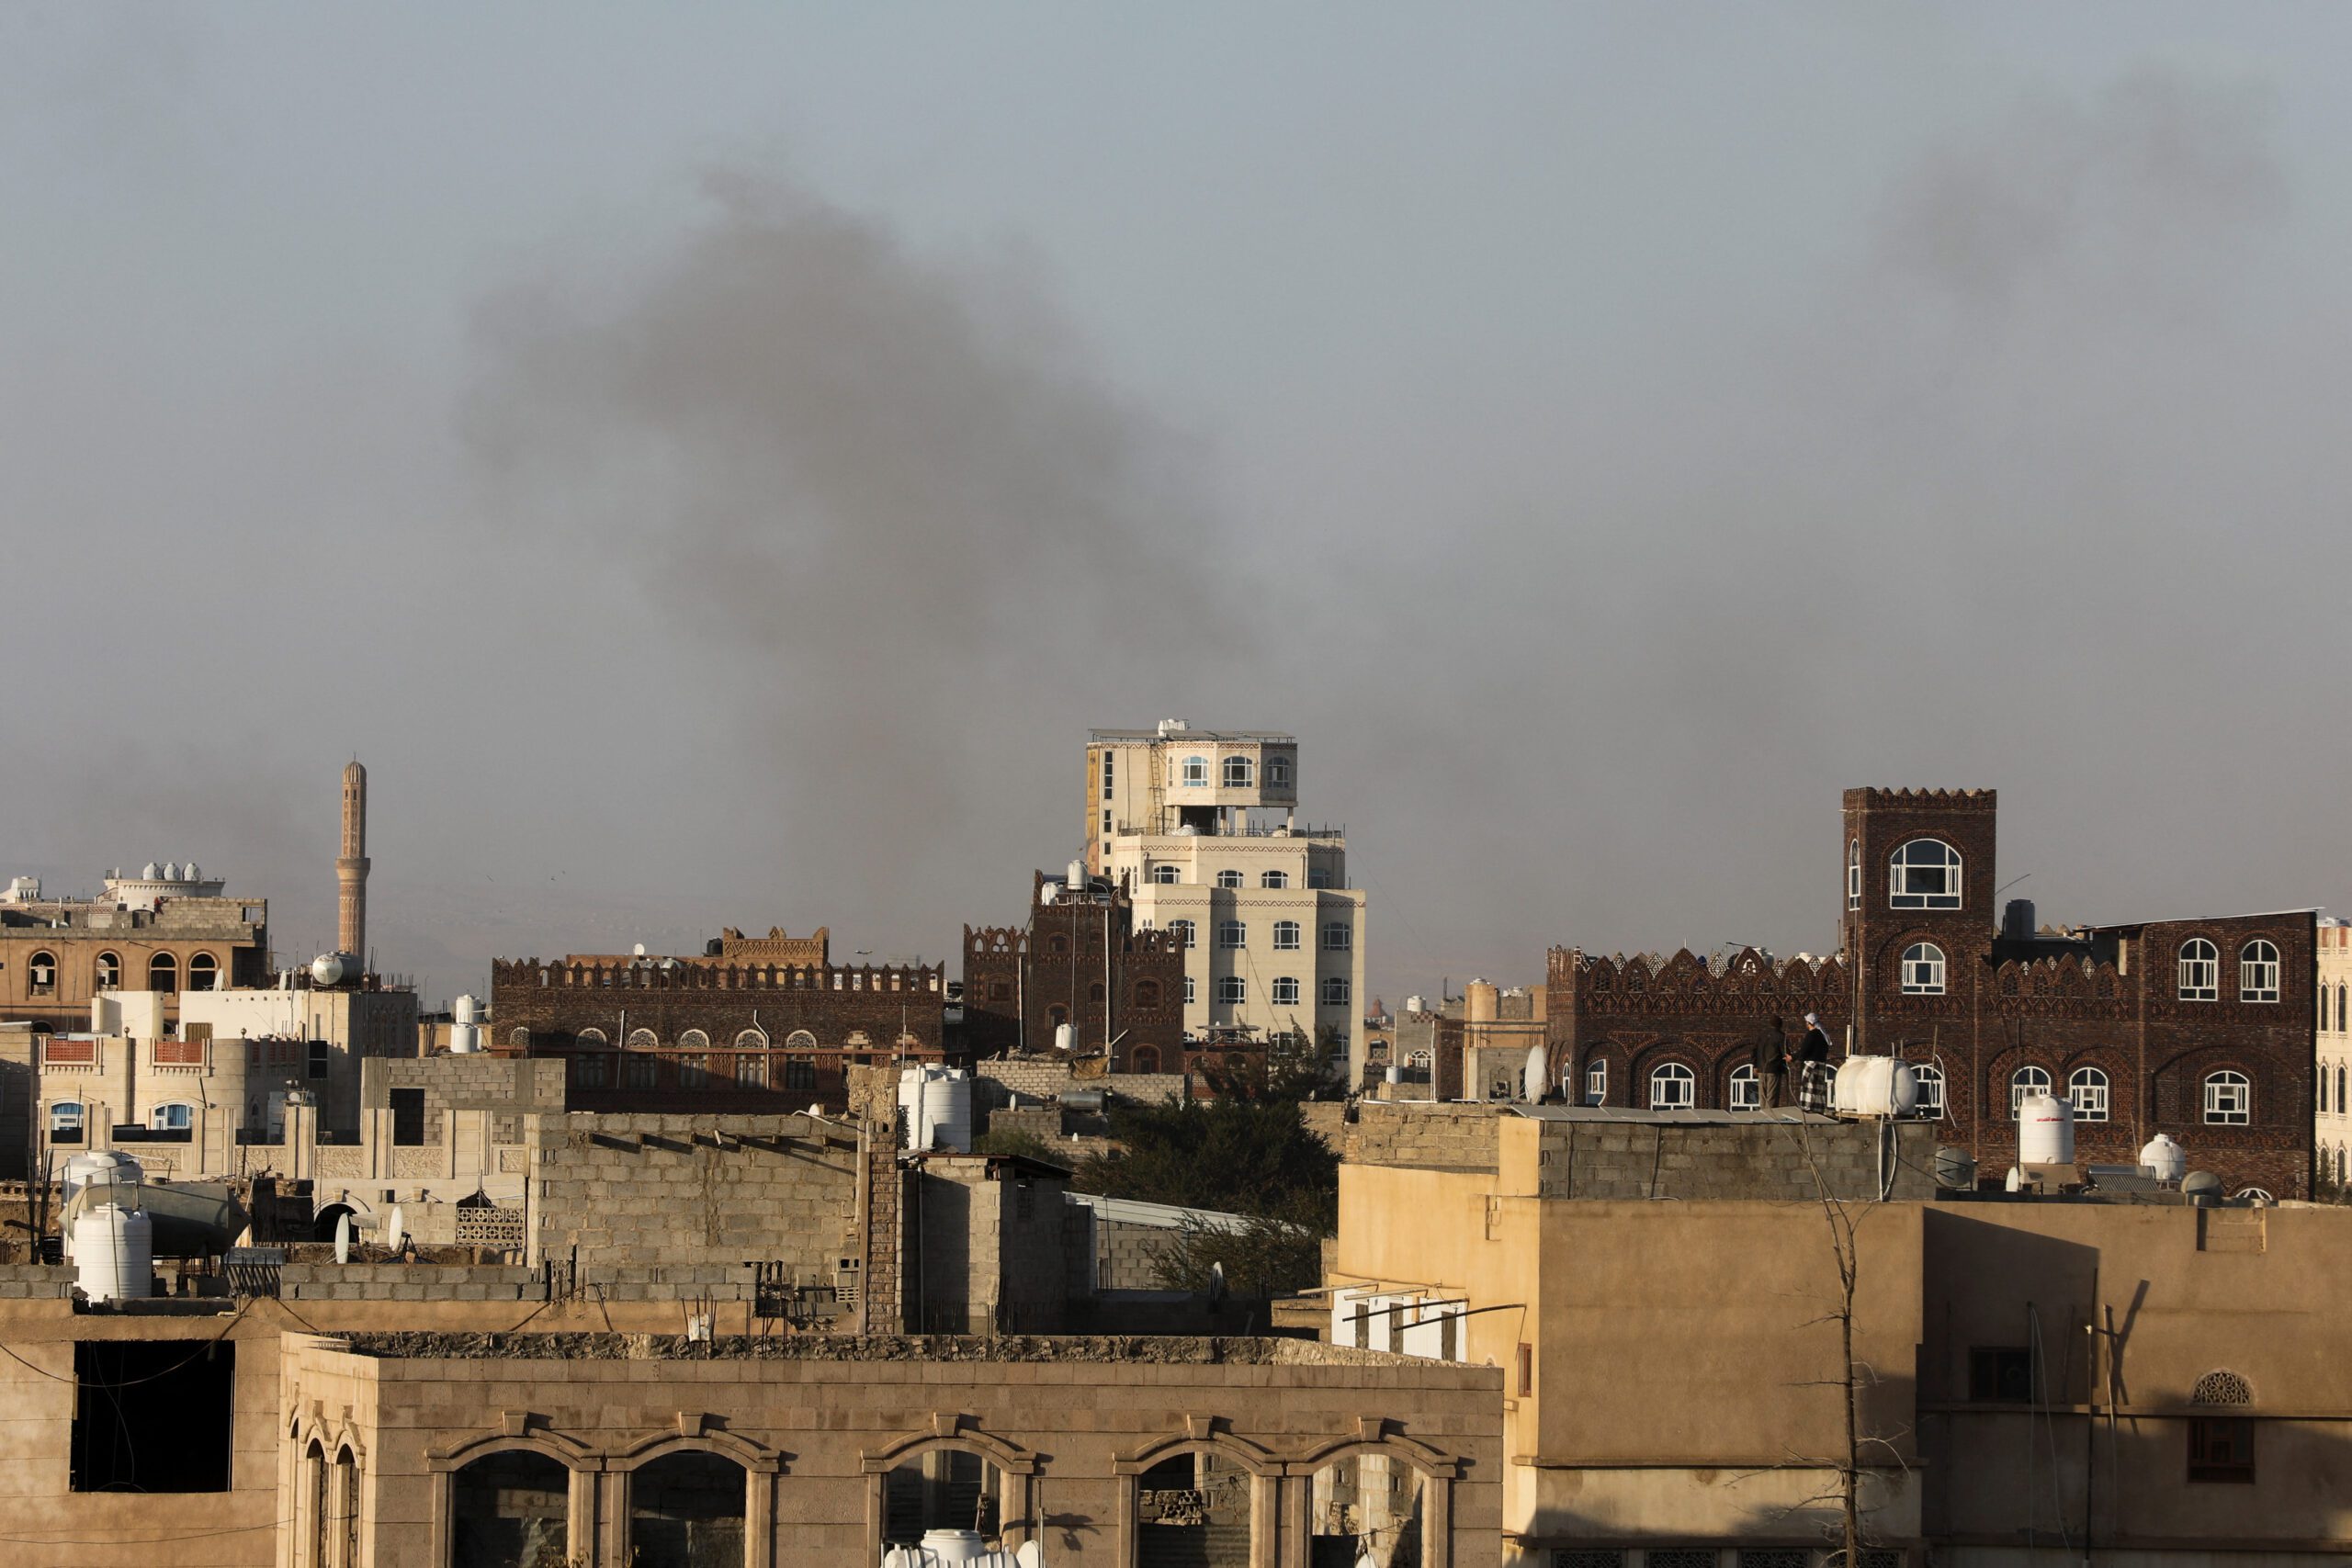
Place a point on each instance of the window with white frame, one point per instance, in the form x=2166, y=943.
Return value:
x=1232, y=989
x=1196, y=772
x=2258, y=972
x=108, y=973
x=2200, y=970
x=1287, y=936
x=1924, y=874
x=1673, y=1088
x=1275, y=879
x=1923, y=970
x=1188, y=991
x=1278, y=770
x=1854, y=874
x=2229, y=1098
x=1596, y=1081
x=1239, y=773
x=1166, y=874
x=2086, y=1088
x=1747, y=1088
x=1228, y=879
x=41, y=973
x=1232, y=933
x=1183, y=929
x=65, y=1121
x=1286, y=990
x=2025, y=1081
x=176, y=1117
x=1930, y=1080
x=1334, y=991
x=1107, y=755
x=1338, y=936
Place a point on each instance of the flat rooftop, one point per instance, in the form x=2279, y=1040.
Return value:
x=1178, y=737
x=1137, y=1349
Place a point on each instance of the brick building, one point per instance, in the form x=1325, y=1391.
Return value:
x=712, y=1033
x=2199, y=1027
x=1082, y=961
x=148, y=932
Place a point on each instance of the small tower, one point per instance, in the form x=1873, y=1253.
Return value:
x=351, y=869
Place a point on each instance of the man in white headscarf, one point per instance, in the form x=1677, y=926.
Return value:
x=1812, y=1066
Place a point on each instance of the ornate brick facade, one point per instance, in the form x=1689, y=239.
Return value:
x=1079, y=961
x=2202, y=1029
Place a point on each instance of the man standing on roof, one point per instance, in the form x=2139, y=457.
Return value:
x=1771, y=1058
x=1812, y=1066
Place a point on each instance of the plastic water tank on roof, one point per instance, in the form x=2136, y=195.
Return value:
x=2045, y=1129
x=150, y=872
x=2163, y=1157
x=189, y=873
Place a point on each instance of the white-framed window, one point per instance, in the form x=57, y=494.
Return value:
x=65, y=1121
x=1596, y=1081
x=1232, y=989
x=694, y=1040
x=594, y=1039
x=1673, y=1088
x=1287, y=936
x=1232, y=933
x=1275, y=879
x=1853, y=873
x=1196, y=772
x=1278, y=771
x=1239, y=773
x=1930, y=1079
x=1228, y=879
x=2258, y=972
x=757, y=1040
x=641, y=1040
x=1107, y=755
x=1188, y=991
x=2200, y=970
x=1165, y=875
x=2087, y=1088
x=1923, y=970
x=176, y=1117
x=41, y=973
x=2229, y=1098
x=1747, y=1088
x=109, y=972
x=1338, y=936
x=1286, y=990
x=2025, y=1081
x=1924, y=874
x=1184, y=933
x=1334, y=991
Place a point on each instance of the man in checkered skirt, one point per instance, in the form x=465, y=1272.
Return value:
x=1813, y=1076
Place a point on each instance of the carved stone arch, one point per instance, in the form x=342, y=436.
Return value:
x=702, y=1437
x=1019, y=1466
x=527, y=1435
x=1439, y=1470
x=1201, y=1434
x=697, y=1432
x=527, y=1432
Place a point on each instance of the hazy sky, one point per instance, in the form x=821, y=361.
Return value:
x=714, y=464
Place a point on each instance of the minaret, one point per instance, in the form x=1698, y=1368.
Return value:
x=351, y=871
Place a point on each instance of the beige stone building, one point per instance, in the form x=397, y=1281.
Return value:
x=2332, y=1053
x=1201, y=827
x=168, y=928
x=2129, y=1380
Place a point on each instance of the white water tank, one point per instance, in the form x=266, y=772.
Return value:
x=1049, y=893
x=333, y=969
x=937, y=1102
x=465, y=1009
x=1077, y=877
x=2164, y=1158
x=465, y=1038
x=114, y=1254
x=1064, y=1038
x=2045, y=1130
x=1874, y=1086
x=98, y=1170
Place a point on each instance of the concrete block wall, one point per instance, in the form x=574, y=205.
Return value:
x=1769, y=1160
x=1425, y=1135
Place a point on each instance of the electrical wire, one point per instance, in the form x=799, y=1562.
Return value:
x=132, y=1382
x=148, y=1540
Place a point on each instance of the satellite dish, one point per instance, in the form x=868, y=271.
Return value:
x=392, y=1229
x=343, y=1238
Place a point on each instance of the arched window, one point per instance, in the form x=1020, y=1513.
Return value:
x=1188, y=987
x=1334, y=991
x=694, y=1040
x=1287, y=936
x=2339, y=1091
x=2222, y=1388
x=686, y=1510
x=1747, y=1088
x=314, y=1494
x=594, y=1039
x=519, y=1038
x=1232, y=933
x=1924, y=874
x=1853, y=873
x=1239, y=773
x=2258, y=972
x=2229, y=1098
x=347, y=1509
x=1673, y=1088
x=1930, y=1079
x=1166, y=874
x=41, y=973
x=162, y=974
x=943, y=1489
x=1196, y=772
x=1285, y=991
x=642, y=1039
x=1194, y=1509
x=1923, y=970
x=203, y=973
x=1275, y=879
x=1145, y=1058
x=1147, y=993
x=1228, y=879
x=1596, y=1081
x=2025, y=1081
x=1059, y=944
x=1094, y=991
x=510, y=1506
x=800, y=1040
x=757, y=1040
x=2200, y=970
x=108, y=972
x=1368, y=1508
x=65, y=1121
x=173, y=1116
x=1184, y=933
x=2087, y=1088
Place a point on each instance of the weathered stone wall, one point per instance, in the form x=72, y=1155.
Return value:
x=1431, y=1136
x=1772, y=1160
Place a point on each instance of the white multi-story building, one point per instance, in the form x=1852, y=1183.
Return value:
x=2331, y=1120
x=1201, y=826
